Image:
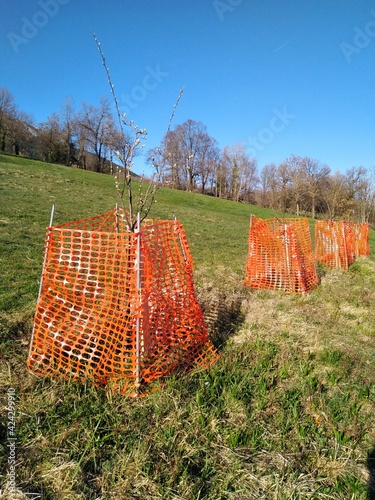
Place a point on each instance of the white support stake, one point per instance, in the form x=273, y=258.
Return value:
x=43, y=267
x=138, y=330
x=46, y=249
x=116, y=219
x=177, y=228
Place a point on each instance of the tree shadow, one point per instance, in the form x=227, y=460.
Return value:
x=221, y=295
x=223, y=316
x=371, y=469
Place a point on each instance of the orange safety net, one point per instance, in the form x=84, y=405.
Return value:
x=280, y=255
x=361, y=239
x=338, y=243
x=118, y=308
x=335, y=243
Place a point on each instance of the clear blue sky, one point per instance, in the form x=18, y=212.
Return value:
x=283, y=77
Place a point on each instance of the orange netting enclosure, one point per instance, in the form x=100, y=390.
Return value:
x=280, y=255
x=118, y=308
x=338, y=243
x=361, y=239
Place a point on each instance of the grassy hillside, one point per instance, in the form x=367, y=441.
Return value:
x=217, y=229
x=286, y=413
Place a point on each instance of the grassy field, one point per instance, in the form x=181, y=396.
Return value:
x=286, y=413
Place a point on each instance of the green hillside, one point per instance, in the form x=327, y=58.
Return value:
x=217, y=229
x=286, y=413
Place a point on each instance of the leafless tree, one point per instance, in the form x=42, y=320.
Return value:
x=189, y=154
x=360, y=193
x=49, y=139
x=334, y=193
x=240, y=172
x=208, y=158
x=315, y=175
x=305, y=178
x=284, y=186
x=22, y=134
x=221, y=181
x=268, y=186
x=96, y=125
x=7, y=114
x=131, y=143
x=69, y=129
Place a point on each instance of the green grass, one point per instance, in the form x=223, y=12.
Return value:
x=30, y=188
x=286, y=413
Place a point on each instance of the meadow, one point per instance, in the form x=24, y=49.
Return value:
x=286, y=412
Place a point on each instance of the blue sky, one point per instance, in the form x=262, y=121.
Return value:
x=282, y=77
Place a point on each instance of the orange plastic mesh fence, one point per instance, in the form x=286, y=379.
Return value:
x=338, y=243
x=361, y=239
x=280, y=255
x=118, y=308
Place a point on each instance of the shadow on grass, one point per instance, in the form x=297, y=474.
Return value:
x=223, y=316
x=225, y=325
x=371, y=469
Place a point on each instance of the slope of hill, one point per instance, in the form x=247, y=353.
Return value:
x=217, y=229
x=286, y=413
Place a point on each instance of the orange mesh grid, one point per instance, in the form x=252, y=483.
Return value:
x=280, y=255
x=362, y=245
x=337, y=243
x=117, y=308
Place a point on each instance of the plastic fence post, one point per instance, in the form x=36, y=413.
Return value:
x=116, y=219
x=249, y=242
x=46, y=249
x=345, y=245
x=138, y=332
x=52, y=215
x=177, y=227
x=335, y=244
x=287, y=255
x=43, y=267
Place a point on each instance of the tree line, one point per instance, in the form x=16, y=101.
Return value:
x=188, y=158
x=85, y=139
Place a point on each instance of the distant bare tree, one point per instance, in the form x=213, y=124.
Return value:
x=284, y=186
x=21, y=134
x=240, y=172
x=189, y=153
x=334, y=193
x=69, y=130
x=360, y=193
x=305, y=178
x=297, y=188
x=50, y=140
x=7, y=115
x=96, y=125
x=220, y=180
x=268, y=186
x=315, y=175
x=208, y=158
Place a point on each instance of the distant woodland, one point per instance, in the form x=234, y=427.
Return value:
x=190, y=159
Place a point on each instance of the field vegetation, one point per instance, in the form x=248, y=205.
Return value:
x=287, y=412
